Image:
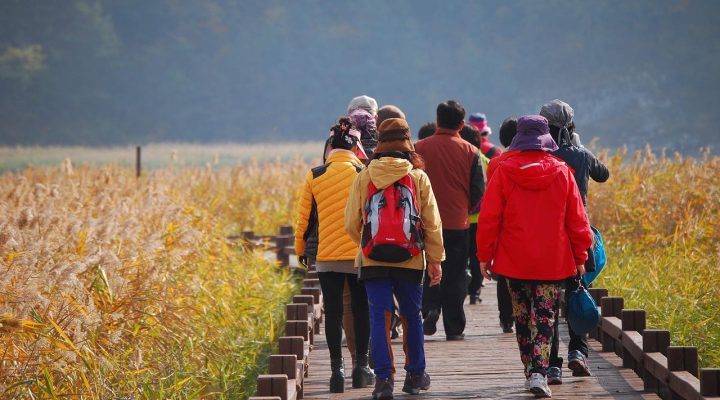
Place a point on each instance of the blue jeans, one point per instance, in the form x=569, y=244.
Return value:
x=380, y=299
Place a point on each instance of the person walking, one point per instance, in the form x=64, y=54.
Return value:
x=471, y=135
x=479, y=121
x=455, y=171
x=325, y=195
x=394, y=160
x=560, y=118
x=533, y=230
x=368, y=137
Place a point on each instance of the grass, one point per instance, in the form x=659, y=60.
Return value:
x=660, y=221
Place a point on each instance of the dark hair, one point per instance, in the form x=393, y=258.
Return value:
x=555, y=133
x=450, y=114
x=508, y=130
x=415, y=159
x=426, y=130
x=471, y=135
x=387, y=112
x=341, y=138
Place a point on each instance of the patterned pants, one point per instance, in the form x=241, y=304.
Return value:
x=535, y=308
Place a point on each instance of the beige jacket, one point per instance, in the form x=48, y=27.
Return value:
x=384, y=172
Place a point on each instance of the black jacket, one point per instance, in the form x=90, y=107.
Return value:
x=585, y=165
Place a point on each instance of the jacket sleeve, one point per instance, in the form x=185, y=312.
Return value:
x=598, y=171
x=490, y=219
x=477, y=181
x=353, y=211
x=576, y=223
x=303, y=214
x=432, y=225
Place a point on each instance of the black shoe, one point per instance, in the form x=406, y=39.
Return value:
x=507, y=327
x=430, y=321
x=394, y=323
x=337, y=376
x=414, y=383
x=362, y=377
x=456, y=337
x=383, y=389
x=475, y=299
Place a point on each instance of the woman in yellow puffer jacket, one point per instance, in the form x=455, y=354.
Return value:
x=325, y=195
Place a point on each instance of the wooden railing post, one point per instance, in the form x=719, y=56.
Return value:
x=654, y=341
x=683, y=358
x=138, y=162
x=710, y=382
x=597, y=295
x=633, y=321
x=611, y=307
x=286, y=230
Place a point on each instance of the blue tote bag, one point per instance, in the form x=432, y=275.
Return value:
x=582, y=313
x=598, y=254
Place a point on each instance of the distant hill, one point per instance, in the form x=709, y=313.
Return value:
x=97, y=72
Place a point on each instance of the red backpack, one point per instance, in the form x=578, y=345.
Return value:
x=393, y=230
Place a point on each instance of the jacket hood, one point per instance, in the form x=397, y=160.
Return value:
x=533, y=170
x=388, y=170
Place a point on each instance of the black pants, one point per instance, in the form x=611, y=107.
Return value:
x=577, y=342
x=474, y=265
x=332, y=285
x=448, y=297
x=504, y=300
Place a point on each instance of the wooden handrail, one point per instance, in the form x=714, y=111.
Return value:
x=670, y=371
x=288, y=368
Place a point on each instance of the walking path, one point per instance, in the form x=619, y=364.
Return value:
x=486, y=365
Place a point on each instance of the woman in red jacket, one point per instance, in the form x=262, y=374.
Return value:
x=533, y=230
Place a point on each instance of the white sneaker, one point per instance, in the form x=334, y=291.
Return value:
x=538, y=385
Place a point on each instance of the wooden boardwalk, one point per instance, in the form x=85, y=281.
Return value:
x=486, y=365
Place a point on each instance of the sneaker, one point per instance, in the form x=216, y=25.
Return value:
x=460, y=336
x=554, y=376
x=538, y=385
x=430, y=322
x=507, y=327
x=577, y=362
x=414, y=383
x=383, y=389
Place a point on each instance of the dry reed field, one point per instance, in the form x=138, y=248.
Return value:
x=114, y=288
x=660, y=218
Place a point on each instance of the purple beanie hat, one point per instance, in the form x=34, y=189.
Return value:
x=533, y=134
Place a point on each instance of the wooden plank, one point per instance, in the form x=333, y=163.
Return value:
x=633, y=344
x=685, y=385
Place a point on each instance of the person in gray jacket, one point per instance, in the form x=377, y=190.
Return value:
x=586, y=166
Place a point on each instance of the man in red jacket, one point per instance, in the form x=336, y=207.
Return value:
x=533, y=230
x=455, y=171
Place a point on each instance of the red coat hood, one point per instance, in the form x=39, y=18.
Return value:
x=533, y=170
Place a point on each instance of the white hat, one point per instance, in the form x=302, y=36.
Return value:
x=366, y=103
